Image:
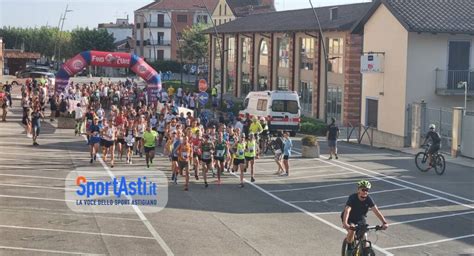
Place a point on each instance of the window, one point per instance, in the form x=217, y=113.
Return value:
x=161, y=20
x=282, y=84
x=262, y=105
x=306, y=93
x=283, y=50
x=372, y=112
x=202, y=19
x=333, y=13
x=334, y=102
x=246, y=88
x=263, y=59
x=220, y=21
x=231, y=49
x=160, y=54
x=246, y=50
x=220, y=10
x=263, y=83
x=458, y=63
x=306, y=53
x=336, y=51
x=290, y=106
x=182, y=18
x=225, y=10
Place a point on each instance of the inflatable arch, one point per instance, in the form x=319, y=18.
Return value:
x=109, y=59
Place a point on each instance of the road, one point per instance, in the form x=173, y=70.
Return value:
x=295, y=215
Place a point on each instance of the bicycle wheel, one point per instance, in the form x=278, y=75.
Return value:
x=421, y=161
x=344, y=248
x=440, y=164
x=369, y=251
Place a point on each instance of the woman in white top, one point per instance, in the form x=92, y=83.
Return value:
x=140, y=130
x=109, y=133
x=161, y=129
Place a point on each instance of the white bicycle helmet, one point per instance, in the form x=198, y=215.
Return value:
x=432, y=126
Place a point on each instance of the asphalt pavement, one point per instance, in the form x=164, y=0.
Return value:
x=296, y=215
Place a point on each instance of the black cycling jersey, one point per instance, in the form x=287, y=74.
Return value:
x=359, y=208
x=434, y=136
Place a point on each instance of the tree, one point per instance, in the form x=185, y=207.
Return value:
x=86, y=39
x=195, y=44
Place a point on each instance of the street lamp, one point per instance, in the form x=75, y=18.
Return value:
x=218, y=46
x=178, y=40
x=465, y=86
x=326, y=63
x=151, y=34
x=60, y=27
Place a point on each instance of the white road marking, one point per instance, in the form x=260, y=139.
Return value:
x=428, y=243
x=432, y=218
x=408, y=203
x=308, y=213
x=45, y=211
x=47, y=251
x=32, y=186
x=37, y=198
x=140, y=214
x=35, y=177
x=303, y=177
x=386, y=177
x=77, y=232
x=308, y=167
x=315, y=187
x=400, y=180
x=340, y=197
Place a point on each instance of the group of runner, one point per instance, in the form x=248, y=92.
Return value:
x=131, y=128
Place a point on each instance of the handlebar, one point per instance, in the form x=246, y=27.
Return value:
x=366, y=227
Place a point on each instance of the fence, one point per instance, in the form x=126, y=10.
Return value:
x=443, y=119
x=467, y=142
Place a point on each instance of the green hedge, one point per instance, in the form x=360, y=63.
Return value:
x=313, y=126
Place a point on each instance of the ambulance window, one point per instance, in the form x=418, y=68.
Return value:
x=278, y=106
x=262, y=105
x=292, y=106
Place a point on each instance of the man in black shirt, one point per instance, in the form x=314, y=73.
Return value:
x=356, y=210
x=332, y=134
x=435, y=142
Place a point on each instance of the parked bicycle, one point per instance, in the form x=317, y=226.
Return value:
x=361, y=246
x=265, y=143
x=437, y=161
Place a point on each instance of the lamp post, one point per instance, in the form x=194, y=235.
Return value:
x=326, y=63
x=218, y=46
x=151, y=35
x=465, y=85
x=178, y=40
x=60, y=27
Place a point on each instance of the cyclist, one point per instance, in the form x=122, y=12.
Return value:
x=355, y=211
x=265, y=132
x=256, y=128
x=435, y=142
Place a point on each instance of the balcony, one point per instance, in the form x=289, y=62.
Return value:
x=157, y=25
x=447, y=82
x=154, y=43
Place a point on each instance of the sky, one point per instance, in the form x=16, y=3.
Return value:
x=89, y=13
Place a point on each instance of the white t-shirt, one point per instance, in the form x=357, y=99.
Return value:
x=239, y=125
x=180, y=92
x=79, y=112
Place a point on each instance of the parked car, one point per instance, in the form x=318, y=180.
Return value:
x=21, y=74
x=37, y=75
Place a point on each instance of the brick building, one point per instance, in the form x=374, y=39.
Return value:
x=283, y=51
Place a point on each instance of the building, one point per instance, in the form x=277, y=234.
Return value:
x=283, y=51
x=158, y=26
x=228, y=10
x=425, y=49
x=16, y=60
x=2, y=68
x=121, y=29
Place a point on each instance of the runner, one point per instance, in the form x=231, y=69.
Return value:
x=36, y=123
x=184, y=156
x=161, y=129
x=207, y=151
x=149, y=142
x=93, y=132
x=196, y=143
x=109, y=134
x=250, y=153
x=140, y=128
x=175, y=141
x=130, y=141
x=239, y=159
x=120, y=139
x=222, y=149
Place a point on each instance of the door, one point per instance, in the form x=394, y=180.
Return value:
x=161, y=20
x=160, y=54
x=161, y=36
x=372, y=112
x=458, y=63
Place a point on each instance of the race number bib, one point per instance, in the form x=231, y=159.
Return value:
x=184, y=155
x=240, y=152
x=206, y=155
x=220, y=153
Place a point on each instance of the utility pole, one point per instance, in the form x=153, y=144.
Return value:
x=61, y=20
x=326, y=63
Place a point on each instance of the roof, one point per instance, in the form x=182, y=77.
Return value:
x=18, y=54
x=242, y=8
x=180, y=5
x=432, y=16
x=297, y=20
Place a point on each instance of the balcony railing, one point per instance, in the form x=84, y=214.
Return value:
x=155, y=43
x=157, y=25
x=447, y=81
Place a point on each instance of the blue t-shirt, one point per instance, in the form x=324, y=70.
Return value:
x=95, y=130
x=287, y=145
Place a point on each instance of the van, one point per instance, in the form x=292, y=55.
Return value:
x=281, y=109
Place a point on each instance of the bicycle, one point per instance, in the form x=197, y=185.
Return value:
x=265, y=143
x=361, y=246
x=437, y=161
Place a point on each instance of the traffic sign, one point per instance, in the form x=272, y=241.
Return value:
x=202, y=85
x=203, y=98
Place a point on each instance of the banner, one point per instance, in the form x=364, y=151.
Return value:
x=110, y=59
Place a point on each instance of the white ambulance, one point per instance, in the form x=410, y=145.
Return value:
x=281, y=109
